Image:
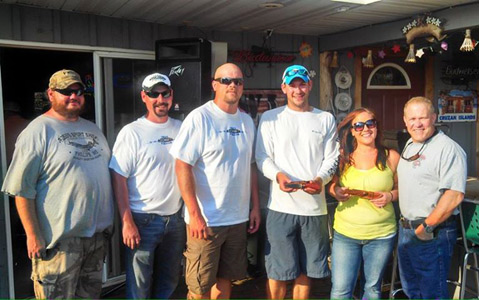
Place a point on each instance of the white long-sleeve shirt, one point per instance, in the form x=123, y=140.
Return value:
x=303, y=145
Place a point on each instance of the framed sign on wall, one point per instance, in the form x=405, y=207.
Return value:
x=457, y=106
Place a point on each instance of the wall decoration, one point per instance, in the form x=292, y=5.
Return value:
x=305, y=50
x=468, y=44
x=368, y=60
x=423, y=26
x=381, y=54
x=444, y=45
x=396, y=48
x=256, y=101
x=240, y=56
x=411, y=56
x=457, y=106
x=420, y=52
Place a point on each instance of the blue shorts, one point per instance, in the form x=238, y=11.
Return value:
x=296, y=245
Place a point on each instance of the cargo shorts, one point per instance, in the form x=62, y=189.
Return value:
x=222, y=255
x=71, y=269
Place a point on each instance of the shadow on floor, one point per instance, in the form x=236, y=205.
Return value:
x=251, y=288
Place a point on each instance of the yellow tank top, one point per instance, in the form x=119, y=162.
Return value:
x=358, y=218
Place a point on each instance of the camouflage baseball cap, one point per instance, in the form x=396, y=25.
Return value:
x=64, y=78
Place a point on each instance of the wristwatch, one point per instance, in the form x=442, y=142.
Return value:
x=427, y=228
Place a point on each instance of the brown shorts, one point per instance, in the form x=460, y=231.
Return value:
x=222, y=255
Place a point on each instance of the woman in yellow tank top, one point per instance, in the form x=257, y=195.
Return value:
x=364, y=221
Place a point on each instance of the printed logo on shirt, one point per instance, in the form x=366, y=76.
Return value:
x=83, y=144
x=417, y=163
x=164, y=140
x=232, y=131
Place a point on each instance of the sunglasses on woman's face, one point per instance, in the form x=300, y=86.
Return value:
x=359, y=126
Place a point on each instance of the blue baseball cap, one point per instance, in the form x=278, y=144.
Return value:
x=295, y=71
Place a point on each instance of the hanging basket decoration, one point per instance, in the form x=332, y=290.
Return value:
x=468, y=44
x=411, y=56
x=368, y=60
x=423, y=26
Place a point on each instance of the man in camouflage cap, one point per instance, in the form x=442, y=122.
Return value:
x=60, y=179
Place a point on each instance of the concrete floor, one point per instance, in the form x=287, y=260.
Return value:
x=251, y=288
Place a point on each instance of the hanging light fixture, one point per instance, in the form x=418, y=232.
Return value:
x=368, y=61
x=467, y=45
x=334, y=61
x=411, y=56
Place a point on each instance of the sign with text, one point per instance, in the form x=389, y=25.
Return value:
x=241, y=56
x=457, y=106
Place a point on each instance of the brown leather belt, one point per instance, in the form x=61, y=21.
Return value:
x=411, y=224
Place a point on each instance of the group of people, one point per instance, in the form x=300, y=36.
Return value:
x=60, y=177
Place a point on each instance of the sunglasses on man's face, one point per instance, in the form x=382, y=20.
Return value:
x=69, y=92
x=359, y=126
x=164, y=94
x=228, y=80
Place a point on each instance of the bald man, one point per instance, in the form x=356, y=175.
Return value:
x=217, y=178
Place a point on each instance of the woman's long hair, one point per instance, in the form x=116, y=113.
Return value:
x=348, y=143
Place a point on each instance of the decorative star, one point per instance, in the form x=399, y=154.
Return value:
x=414, y=23
x=444, y=45
x=420, y=53
x=381, y=53
x=312, y=73
x=409, y=26
x=396, y=48
x=428, y=20
x=350, y=54
x=404, y=29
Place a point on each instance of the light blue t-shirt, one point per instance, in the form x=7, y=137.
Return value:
x=442, y=165
x=63, y=167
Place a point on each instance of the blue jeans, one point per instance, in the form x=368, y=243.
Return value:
x=424, y=265
x=346, y=258
x=154, y=268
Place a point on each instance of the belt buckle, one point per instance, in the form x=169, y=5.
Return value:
x=406, y=223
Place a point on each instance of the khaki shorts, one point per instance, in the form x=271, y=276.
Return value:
x=72, y=269
x=223, y=255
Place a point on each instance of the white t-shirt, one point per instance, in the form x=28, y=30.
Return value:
x=303, y=145
x=141, y=154
x=219, y=146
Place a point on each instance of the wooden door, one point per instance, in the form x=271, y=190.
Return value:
x=386, y=95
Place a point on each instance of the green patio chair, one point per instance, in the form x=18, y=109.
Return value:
x=469, y=212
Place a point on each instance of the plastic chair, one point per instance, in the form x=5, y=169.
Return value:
x=469, y=213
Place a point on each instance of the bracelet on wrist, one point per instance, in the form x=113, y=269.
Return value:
x=392, y=196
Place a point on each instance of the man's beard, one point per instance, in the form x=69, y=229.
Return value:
x=62, y=110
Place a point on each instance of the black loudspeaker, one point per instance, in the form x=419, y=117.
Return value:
x=187, y=62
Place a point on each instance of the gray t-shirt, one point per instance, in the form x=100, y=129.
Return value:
x=63, y=167
x=441, y=166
